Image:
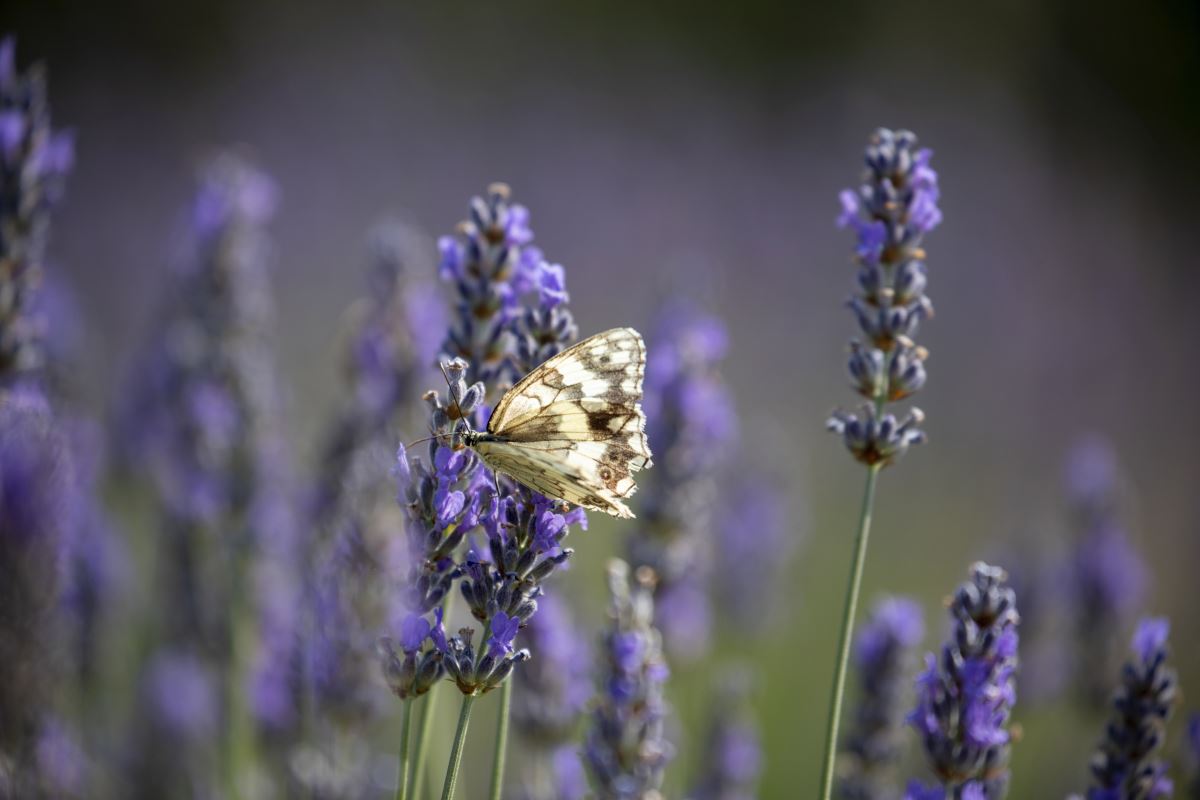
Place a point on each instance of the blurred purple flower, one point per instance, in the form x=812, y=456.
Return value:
x=552, y=689
x=964, y=699
x=61, y=762
x=624, y=749
x=733, y=757
x=183, y=695
x=1107, y=578
x=883, y=655
x=690, y=424
x=35, y=512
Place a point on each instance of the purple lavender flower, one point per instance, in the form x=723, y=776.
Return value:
x=733, y=758
x=182, y=694
x=552, y=689
x=494, y=270
x=34, y=161
x=62, y=764
x=35, y=494
x=1127, y=763
x=1107, y=576
x=964, y=699
x=1192, y=747
x=883, y=656
x=890, y=213
x=624, y=749
x=690, y=425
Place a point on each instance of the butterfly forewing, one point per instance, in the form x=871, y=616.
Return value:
x=573, y=428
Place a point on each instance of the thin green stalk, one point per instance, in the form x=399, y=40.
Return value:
x=851, y=608
x=405, y=724
x=501, y=739
x=419, y=767
x=460, y=739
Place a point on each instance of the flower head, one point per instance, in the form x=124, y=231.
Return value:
x=1127, y=762
x=890, y=213
x=625, y=750
x=964, y=699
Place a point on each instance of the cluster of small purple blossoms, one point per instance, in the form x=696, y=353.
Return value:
x=34, y=160
x=550, y=696
x=494, y=268
x=964, y=699
x=491, y=264
x=890, y=213
x=1193, y=753
x=883, y=655
x=625, y=750
x=733, y=758
x=1107, y=576
x=1127, y=764
x=690, y=423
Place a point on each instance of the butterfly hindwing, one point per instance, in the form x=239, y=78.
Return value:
x=573, y=428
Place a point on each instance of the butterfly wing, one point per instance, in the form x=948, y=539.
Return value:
x=573, y=428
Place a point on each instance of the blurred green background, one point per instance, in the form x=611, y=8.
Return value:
x=702, y=145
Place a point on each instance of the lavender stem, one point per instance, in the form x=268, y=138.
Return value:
x=405, y=725
x=847, y=634
x=460, y=739
x=501, y=740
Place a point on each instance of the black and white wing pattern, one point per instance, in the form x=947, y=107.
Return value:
x=573, y=428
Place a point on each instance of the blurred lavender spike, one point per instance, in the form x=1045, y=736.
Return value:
x=1107, y=575
x=890, y=213
x=733, y=755
x=625, y=750
x=204, y=422
x=690, y=424
x=965, y=698
x=35, y=497
x=1127, y=763
x=884, y=655
x=549, y=698
x=34, y=161
x=393, y=337
x=1192, y=748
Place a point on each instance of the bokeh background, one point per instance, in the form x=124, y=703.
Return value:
x=699, y=147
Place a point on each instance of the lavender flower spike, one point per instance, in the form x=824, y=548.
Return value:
x=733, y=759
x=625, y=750
x=965, y=697
x=890, y=213
x=1127, y=765
x=883, y=655
x=34, y=160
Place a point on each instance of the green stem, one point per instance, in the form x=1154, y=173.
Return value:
x=419, y=768
x=839, y=675
x=460, y=738
x=501, y=739
x=405, y=724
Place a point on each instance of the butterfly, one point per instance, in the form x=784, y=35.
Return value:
x=573, y=428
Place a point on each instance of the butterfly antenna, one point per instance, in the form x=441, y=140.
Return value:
x=425, y=439
x=449, y=386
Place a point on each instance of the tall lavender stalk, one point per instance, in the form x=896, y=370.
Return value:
x=34, y=160
x=965, y=697
x=690, y=424
x=1127, y=764
x=883, y=655
x=204, y=422
x=891, y=212
x=510, y=315
x=625, y=749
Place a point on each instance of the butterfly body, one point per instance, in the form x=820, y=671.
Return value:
x=573, y=428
